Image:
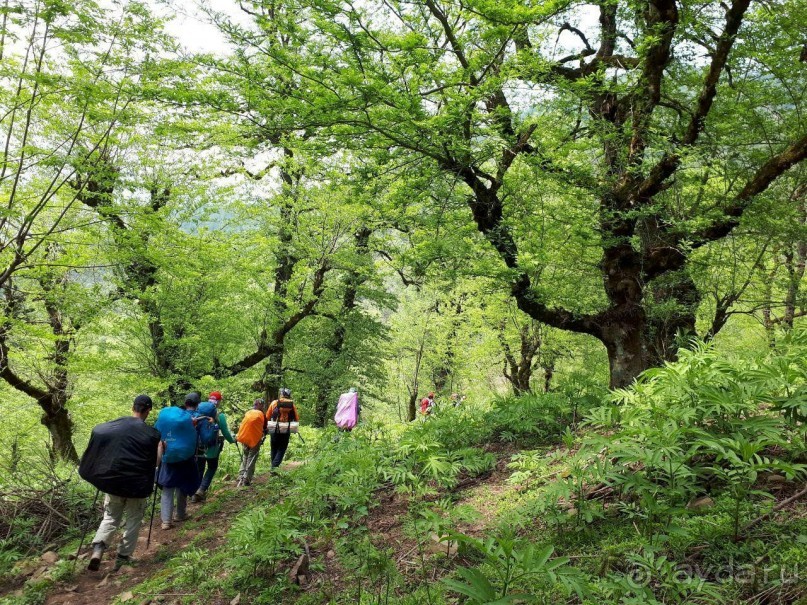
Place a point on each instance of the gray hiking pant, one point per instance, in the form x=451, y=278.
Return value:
x=248, y=464
x=115, y=508
x=167, y=504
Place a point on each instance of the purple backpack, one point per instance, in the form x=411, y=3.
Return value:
x=347, y=410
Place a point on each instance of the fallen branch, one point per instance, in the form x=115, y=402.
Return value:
x=776, y=508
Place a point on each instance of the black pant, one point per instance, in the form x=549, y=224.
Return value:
x=279, y=443
x=207, y=476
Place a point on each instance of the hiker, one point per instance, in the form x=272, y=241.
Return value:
x=347, y=410
x=178, y=475
x=427, y=404
x=457, y=400
x=251, y=434
x=209, y=413
x=282, y=410
x=120, y=460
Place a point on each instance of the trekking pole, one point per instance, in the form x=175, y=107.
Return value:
x=301, y=438
x=86, y=529
x=153, y=506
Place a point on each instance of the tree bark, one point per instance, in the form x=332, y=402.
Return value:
x=518, y=370
x=627, y=345
x=57, y=420
x=412, y=406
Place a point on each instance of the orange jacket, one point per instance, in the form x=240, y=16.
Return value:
x=250, y=432
x=283, y=416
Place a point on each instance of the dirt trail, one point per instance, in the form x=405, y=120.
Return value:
x=105, y=585
x=386, y=522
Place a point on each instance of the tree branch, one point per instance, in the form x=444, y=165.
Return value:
x=767, y=173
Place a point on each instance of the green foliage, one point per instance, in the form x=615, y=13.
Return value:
x=700, y=424
x=511, y=564
x=655, y=580
x=264, y=536
x=539, y=418
x=341, y=475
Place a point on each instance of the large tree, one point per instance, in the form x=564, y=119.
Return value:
x=68, y=82
x=621, y=118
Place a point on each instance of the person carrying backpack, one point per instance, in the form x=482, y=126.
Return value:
x=178, y=476
x=347, y=410
x=281, y=410
x=213, y=431
x=119, y=461
x=251, y=433
x=427, y=404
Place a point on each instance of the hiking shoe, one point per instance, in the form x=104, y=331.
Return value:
x=122, y=560
x=198, y=497
x=179, y=519
x=95, y=559
x=166, y=526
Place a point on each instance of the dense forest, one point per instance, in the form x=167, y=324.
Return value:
x=582, y=226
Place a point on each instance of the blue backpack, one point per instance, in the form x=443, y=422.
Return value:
x=176, y=429
x=207, y=425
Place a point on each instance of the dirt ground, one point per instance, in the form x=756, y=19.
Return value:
x=104, y=586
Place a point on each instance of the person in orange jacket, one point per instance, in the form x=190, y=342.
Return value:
x=251, y=433
x=281, y=410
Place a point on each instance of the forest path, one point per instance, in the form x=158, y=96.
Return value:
x=207, y=526
x=389, y=524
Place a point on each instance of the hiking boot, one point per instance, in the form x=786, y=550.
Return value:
x=166, y=526
x=198, y=497
x=179, y=519
x=95, y=558
x=122, y=560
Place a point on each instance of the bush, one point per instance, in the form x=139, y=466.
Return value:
x=539, y=418
x=702, y=424
x=43, y=505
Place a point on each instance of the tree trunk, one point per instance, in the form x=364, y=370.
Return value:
x=518, y=371
x=627, y=347
x=336, y=344
x=60, y=426
x=549, y=372
x=411, y=409
x=273, y=374
x=443, y=374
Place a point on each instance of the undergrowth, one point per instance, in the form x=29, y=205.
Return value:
x=665, y=492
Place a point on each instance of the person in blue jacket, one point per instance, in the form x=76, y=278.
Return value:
x=181, y=479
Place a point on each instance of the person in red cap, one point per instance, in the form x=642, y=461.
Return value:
x=210, y=457
x=427, y=404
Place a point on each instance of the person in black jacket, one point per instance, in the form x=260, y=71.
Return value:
x=120, y=461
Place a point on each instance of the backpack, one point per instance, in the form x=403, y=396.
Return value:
x=177, y=430
x=283, y=404
x=207, y=426
x=276, y=425
x=250, y=432
x=347, y=411
x=120, y=458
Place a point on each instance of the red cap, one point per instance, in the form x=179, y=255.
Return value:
x=431, y=395
x=215, y=395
